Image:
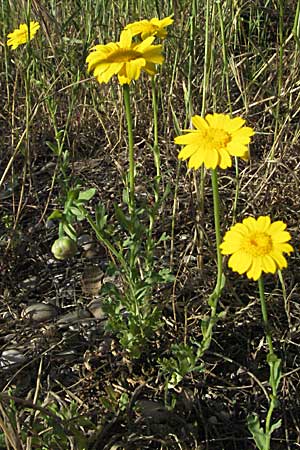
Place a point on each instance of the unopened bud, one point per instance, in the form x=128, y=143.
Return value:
x=64, y=248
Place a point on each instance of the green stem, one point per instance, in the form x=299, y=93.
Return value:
x=214, y=297
x=274, y=364
x=156, y=151
x=265, y=314
x=126, y=95
x=214, y=180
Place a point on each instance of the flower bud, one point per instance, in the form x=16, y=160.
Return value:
x=64, y=248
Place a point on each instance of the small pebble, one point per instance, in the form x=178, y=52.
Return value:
x=95, y=307
x=91, y=280
x=73, y=317
x=11, y=357
x=39, y=312
x=86, y=241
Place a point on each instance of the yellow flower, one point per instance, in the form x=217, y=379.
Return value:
x=213, y=142
x=20, y=35
x=124, y=59
x=256, y=246
x=153, y=27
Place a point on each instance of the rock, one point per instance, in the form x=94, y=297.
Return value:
x=11, y=357
x=73, y=317
x=91, y=280
x=95, y=307
x=29, y=283
x=39, y=312
x=86, y=241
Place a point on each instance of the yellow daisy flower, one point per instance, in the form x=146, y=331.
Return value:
x=124, y=59
x=256, y=246
x=213, y=142
x=20, y=35
x=153, y=27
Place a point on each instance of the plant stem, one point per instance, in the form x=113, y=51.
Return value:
x=214, y=180
x=126, y=95
x=265, y=314
x=156, y=152
x=213, y=299
x=274, y=364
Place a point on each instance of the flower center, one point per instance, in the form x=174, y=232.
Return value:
x=259, y=244
x=123, y=55
x=216, y=138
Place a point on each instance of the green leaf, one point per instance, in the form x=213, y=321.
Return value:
x=275, y=369
x=166, y=275
x=275, y=426
x=204, y=326
x=174, y=380
x=85, y=196
x=71, y=196
x=124, y=221
x=101, y=217
x=257, y=431
x=53, y=147
x=77, y=213
x=55, y=215
x=223, y=281
x=125, y=196
x=70, y=231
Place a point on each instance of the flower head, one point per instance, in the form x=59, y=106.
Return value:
x=124, y=59
x=153, y=27
x=20, y=35
x=213, y=142
x=256, y=246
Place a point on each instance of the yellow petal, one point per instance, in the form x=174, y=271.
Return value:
x=196, y=160
x=142, y=46
x=199, y=123
x=134, y=67
x=284, y=248
x=225, y=160
x=256, y=269
x=280, y=236
x=153, y=54
x=212, y=159
x=125, y=39
x=268, y=264
x=235, y=124
x=278, y=258
x=190, y=138
x=250, y=223
x=240, y=262
x=263, y=223
x=188, y=151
